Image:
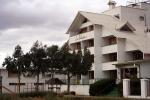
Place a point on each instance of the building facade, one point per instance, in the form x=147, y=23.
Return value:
x=117, y=38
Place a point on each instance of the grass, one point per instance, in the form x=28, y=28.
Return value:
x=59, y=97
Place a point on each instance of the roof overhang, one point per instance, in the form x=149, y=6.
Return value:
x=135, y=62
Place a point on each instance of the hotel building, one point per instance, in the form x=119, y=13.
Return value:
x=118, y=39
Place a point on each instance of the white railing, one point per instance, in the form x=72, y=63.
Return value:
x=109, y=66
x=81, y=37
x=109, y=49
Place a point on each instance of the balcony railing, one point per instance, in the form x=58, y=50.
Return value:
x=109, y=49
x=81, y=37
x=109, y=66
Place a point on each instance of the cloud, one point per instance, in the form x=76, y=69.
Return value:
x=25, y=21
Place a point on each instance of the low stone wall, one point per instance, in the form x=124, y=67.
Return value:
x=79, y=89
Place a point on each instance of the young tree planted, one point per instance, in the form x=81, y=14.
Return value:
x=75, y=63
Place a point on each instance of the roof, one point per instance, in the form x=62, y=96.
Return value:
x=54, y=81
x=141, y=41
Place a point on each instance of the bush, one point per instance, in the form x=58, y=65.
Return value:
x=120, y=88
x=71, y=93
x=8, y=97
x=101, y=87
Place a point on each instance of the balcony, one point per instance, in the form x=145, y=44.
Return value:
x=109, y=66
x=109, y=49
x=81, y=37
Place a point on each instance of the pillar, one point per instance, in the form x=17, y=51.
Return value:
x=126, y=87
x=144, y=88
x=118, y=75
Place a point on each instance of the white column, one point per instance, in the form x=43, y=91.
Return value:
x=144, y=86
x=118, y=75
x=138, y=72
x=126, y=87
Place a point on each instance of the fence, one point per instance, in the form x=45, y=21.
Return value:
x=81, y=81
x=136, y=89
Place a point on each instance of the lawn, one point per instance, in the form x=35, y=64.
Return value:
x=50, y=97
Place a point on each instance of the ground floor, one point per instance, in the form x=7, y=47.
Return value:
x=131, y=70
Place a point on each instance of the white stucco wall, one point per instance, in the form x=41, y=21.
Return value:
x=79, y=89
x=145, y=70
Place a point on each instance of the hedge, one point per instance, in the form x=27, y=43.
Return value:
x=101, y=87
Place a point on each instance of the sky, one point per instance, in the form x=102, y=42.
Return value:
x=22, y=22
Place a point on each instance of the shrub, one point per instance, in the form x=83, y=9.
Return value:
x=101, y=87
x=8, y=97
x=120, y=88
x=71, y=93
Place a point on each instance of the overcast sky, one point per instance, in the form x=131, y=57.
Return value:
x=25, y=21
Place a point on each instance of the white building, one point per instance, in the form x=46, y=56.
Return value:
x=117, y=38
x=9, y=82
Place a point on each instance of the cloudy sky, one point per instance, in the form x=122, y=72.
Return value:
x=25, y=21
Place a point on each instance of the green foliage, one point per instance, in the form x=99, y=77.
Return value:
x=101, y=87
x=8, y=97
x=75, y=63
x=37, y=57
x=14, y=64
x=120, y=88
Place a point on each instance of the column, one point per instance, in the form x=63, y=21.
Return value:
x=126, y=87
x=118, y=75
x=138, y=72
x=144, y=88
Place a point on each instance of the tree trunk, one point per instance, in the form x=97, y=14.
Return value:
x=37, y=83
x=19, y=83
x=68, y=85
x=52, y=85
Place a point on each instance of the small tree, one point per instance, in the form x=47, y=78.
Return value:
x=14, y=64
x=51, y=60
x=38, y=55
x=75, y=63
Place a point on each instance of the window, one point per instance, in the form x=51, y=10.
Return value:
x=83, y=30
x=147, y=30
x=91, y=43
x=112, y=40
x=78, y=46
x=38, y=83
x=92, y=57
x=91, y=28
x=91, y=74
x=137, y=55
x=141, y=18
x=113, y=57
x=16, y=83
